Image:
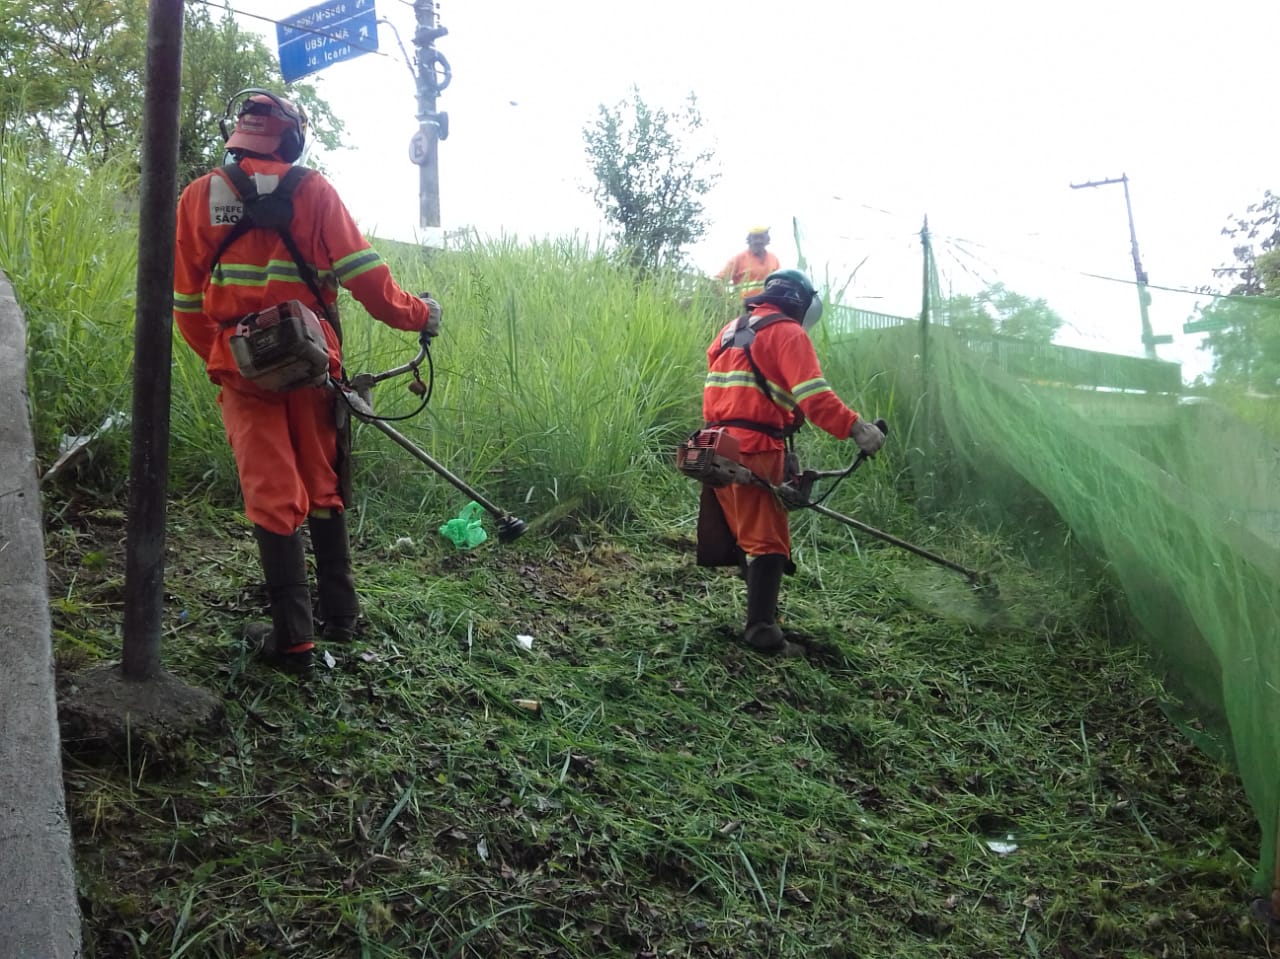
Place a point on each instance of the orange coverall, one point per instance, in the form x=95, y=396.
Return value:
x=285, y=444
x=747, y=269
x=785, y=355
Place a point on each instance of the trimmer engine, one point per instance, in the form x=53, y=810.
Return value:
x=281, y=348
x=711, y=456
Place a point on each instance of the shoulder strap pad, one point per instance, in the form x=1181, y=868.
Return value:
x=743, y=333
x=272, y=210
x=247, y=188
x=243, y=184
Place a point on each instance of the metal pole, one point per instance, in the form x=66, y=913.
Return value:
x=152, y=343
x=1140, y=275
x=974, y=577
x=510, y=527
x=927, y=250
x=428, y=119
x=1148, y=339
x=927, y=478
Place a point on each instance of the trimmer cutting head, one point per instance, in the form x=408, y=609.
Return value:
x=511, y=528
x=984, y=585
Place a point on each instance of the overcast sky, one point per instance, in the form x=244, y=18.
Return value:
x=855, y=120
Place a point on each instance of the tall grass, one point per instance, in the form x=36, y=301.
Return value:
x=562, y=377
x=67, y=244
x=561, y=381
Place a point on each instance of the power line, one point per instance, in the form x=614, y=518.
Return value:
x=1059, y=268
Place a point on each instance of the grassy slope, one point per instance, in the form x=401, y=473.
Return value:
x=676, y=796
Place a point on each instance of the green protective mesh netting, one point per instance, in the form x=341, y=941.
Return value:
x=1159, y=457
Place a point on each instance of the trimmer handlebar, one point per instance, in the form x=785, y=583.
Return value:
x=810, y=476
x=424, y=351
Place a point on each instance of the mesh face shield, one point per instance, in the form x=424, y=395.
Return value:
x=812, y=314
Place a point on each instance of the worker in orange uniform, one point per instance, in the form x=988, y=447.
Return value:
x=233, y=261
x=763, y=382
x=746, y=272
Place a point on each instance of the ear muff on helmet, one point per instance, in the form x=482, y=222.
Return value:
x=287, y=142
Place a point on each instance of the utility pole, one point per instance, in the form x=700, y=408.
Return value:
x=153, y=340
x=433, y=75
x=1149, y=340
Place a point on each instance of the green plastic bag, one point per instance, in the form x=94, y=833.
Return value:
x=465, y=530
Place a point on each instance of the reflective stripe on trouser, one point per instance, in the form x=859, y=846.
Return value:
x=285, y=446
x=758, y=521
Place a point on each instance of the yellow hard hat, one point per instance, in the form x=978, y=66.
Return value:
x=757, y=230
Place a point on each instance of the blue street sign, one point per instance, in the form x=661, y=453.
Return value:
x=326, y=34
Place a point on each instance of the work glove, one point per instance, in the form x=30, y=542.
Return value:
x=867, y=435
x=435, y=311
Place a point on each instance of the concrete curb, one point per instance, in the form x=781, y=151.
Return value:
x=39, y=913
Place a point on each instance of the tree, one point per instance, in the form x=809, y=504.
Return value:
x=647, y=185
x=1262, y=220
x=71, y=73
x=1244, y=327
x=999, y=310
x=63, y=64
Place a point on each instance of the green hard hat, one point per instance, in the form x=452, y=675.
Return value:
x=793, y=293
x=791, y=276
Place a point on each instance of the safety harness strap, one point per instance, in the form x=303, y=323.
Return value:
x=273, y=210
x=741, y=335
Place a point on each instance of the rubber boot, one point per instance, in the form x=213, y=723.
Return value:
x=764, y=582
x=288, y=643
x=335, y=580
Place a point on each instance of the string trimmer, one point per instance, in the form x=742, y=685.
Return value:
x=357, y=393
x=710, y=456
x=284, y=347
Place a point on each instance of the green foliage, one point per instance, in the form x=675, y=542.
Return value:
x=71, y=257
x=647, y=184
x=1246, y=341
x=999, y=310
x=1244, y=327
x=1256, y=233
x=72, y=73
x=557, y=374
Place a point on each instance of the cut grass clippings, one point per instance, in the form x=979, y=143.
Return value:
x=922, y=785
